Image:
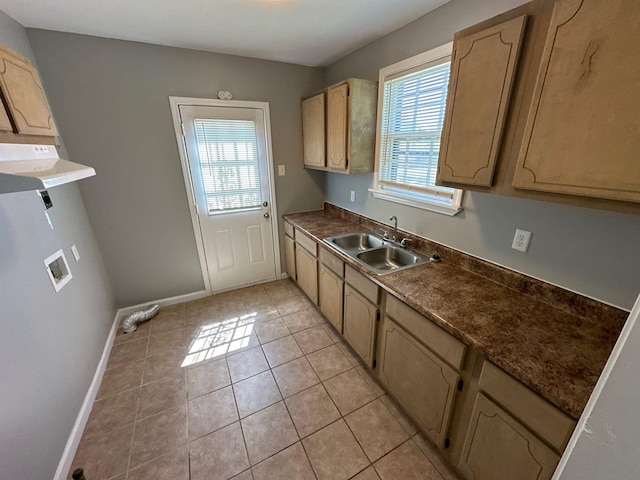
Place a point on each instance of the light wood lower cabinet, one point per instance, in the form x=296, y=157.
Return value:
x=360, y=317
x=423, y=384
x=498, y=447
x=331, y=291
x=290, y=256
x=307, y=273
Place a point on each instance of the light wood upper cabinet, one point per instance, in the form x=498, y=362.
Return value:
x=582, y=135
x=313, y=131
x=24, y=96
x=498, y=447
x=350, y=109
x=482, y=76
x=5, y=123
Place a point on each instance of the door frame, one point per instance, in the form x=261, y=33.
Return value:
x=175, y=103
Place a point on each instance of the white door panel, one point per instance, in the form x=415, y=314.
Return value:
x=229, y=167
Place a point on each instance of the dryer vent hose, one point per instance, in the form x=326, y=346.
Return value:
x=130, y=322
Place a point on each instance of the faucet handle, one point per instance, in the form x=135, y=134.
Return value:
x=385, y=235
x=404, y=242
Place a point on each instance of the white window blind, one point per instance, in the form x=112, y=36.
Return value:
x=228, y=154
x=413, y=108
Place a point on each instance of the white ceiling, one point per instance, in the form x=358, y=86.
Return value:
x=306, y=32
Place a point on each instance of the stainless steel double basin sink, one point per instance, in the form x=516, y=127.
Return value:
x=377, y=254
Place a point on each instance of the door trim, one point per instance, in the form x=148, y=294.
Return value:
x=175, y=103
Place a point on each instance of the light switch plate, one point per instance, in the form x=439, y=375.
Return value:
x=74, y=250
x=353, y=195
x=281, y=171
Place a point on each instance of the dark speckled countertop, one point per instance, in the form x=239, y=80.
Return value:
x=558, y=354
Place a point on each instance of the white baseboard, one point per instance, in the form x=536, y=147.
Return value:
x=164, y=302
x=85, y=410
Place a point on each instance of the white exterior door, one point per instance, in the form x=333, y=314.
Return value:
x=228, y=155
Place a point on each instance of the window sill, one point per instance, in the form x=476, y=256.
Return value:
x=437, y=207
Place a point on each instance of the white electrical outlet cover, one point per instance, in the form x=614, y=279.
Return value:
x=353, y=195
x=521, y=240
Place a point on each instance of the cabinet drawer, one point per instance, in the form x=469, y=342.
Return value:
x=544, y=419
x=288, y=229
x=332, y=262
x=361, y=283
x=307, y=243
x=447, y=347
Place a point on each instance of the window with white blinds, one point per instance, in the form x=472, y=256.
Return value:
x=228, y=152
x=412, y=106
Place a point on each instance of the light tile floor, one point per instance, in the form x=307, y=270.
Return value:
x=250, y=384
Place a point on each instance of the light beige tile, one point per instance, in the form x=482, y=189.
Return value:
x=246, y=364
x=211, y=412
x=351, y=355
x=163, y=365
x=263, y=312
x=295, y=376
x=376, y=430
x=312, y=339
x=302, y=320
x=172, y=466
x=112, y=412
x=333, y=334
x=168, y=318
x=290, y=464
x=166, y=342
x=158, y=434
x=434, y=457
x=207, y=378
x=271, y=330
x=405, y=422
x=293, y=304
x=128, y=352
x=141, y=332
x=328, y=362
x=161, y=395
x=334, y=452
x=406, y=462
x=106, y=455
x=198, y=311
x=256, y=393
x=281, y=351
x=267, y=432
x=311, y=410
x=281, y=290
x=116, y=380
x=349, y=391
x=371, y=381
x=246, y=475
x=368, y=473
x=220, y=455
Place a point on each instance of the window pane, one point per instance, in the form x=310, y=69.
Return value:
x=412, y=119
x=228, y=154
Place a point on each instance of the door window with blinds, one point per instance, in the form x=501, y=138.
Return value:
x=411, y=109
x=228, y=152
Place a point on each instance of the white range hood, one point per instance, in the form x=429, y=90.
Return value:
x=35, y=167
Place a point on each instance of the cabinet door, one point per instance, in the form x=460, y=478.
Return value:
x=24, y=95
x=307, y=272
x=360, y=318
x=290, y=256
x=581, y=135
x=5, y=123
x=337, y=120
x=313, y=125
x=331, y=289
x=420, y=381
x=482, y=75
x=497, y=447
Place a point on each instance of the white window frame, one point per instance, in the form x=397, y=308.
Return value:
x=422, y=200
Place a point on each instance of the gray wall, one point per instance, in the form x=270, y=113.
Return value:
x=589, y=251
x=111, y=100
x=50, y=343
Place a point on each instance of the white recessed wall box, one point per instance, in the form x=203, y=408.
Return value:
x=58, y=270
x=36, y=167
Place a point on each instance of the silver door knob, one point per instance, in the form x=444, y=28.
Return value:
x=266, y=215
x=265, y=204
